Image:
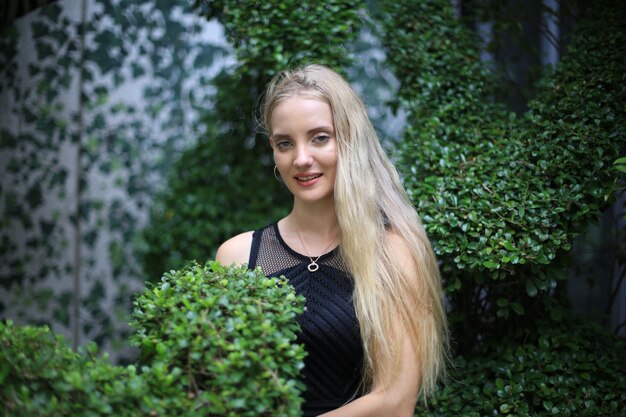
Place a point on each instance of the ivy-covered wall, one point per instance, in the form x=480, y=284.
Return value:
x=98, y=98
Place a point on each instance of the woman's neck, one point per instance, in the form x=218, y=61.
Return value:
x=313, y=226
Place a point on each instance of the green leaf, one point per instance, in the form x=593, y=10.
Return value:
x=491, y=265
x=518, y=308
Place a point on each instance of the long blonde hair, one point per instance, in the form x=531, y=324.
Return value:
x=371, y=205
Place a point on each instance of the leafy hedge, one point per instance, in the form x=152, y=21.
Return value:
x=221, y=343
x=225, y=185
x=225, y=338
x=503, y=196
x=570, y=368
x=214, y=341
x=40, y=375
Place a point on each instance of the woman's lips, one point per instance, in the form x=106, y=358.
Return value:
x=307, y=179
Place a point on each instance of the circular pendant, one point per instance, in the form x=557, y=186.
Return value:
x=312, y=267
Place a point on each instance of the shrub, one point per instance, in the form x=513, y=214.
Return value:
x=570, y=368
x=40, y=375
x=223, y=336
x=214, y=341
x=503, y=196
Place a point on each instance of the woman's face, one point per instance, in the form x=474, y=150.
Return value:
x=305, y=147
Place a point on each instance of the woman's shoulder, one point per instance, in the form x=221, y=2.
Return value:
x=396, y=240
x=401, y=250
x=235, y=250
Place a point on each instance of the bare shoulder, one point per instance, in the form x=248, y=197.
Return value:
x=401, y=250
x=397, y=242
x=235, y=250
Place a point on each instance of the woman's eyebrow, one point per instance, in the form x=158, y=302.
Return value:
x=310, y=131
x=321, y=128
x=276, y=136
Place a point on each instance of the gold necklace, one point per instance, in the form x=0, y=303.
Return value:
x=313, y=266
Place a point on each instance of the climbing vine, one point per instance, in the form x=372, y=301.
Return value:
x=140, y=66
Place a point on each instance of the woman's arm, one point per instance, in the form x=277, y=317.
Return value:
x=235, y=250
x=399, y=398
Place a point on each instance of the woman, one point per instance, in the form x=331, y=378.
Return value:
x=375, y=327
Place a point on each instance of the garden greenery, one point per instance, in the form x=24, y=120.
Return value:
x=226, y=335
x=567, y=369
x=224, y=185
x=40, y=375
x=214, y=340
x=503, y=196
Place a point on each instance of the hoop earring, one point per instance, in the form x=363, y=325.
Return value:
x=277, y=176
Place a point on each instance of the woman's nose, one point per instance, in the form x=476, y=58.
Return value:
x=303, y=157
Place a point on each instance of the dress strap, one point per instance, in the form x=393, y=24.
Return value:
x=254, y=250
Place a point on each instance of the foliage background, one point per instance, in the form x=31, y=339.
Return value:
x=201, y=354
x=91, y=127
x=234, y=158
x=504, y=196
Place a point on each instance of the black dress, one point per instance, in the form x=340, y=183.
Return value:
x=329, y=327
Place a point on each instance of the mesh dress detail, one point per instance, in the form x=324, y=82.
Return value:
x=329, y=327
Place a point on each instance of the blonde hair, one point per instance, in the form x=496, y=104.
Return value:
x=370, y=202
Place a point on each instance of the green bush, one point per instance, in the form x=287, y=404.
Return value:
x=571, y=368
x=503, y=196
x=40, y=375
x=224, y=337
x=225, y=184
x=214, y=341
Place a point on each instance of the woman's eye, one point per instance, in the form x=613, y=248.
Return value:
x=321, y=138
x=283, y=144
